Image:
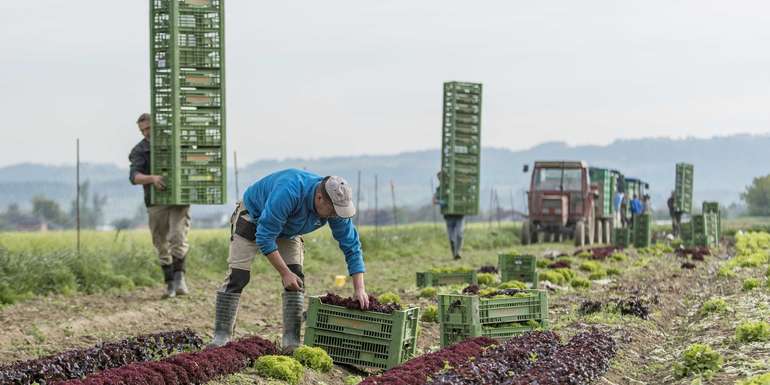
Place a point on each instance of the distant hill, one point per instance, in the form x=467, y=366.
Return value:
x=724, y=166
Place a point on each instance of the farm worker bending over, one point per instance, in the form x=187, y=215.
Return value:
x=455, y=223
x=274, y=214
x=169, y=224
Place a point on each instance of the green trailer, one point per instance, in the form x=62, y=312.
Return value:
x=461, y=149
x=187, y=87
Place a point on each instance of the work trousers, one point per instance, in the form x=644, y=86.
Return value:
x=169, y=226
x=455, y=228
x=244, y=248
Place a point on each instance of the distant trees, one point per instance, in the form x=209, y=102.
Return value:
x=757, y=196
x=48, y=210
x=91, y=208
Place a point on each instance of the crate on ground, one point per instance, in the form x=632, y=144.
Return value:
x=461, y=309
x=442, y=278
x=622, y=237
x=467, y=316
x=362, y=338
x=642, y=230
x=713, y=208
x=683, y=188
x=518, y=267
x=705, y=229
x=452, y=334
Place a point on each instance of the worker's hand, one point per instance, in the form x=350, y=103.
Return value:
x=362, y=298
x=158, y=182
x=291, y=281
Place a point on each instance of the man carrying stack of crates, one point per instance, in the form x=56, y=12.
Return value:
x=459, y=178
x=169, y=224
x=274, y=214
x=187, y=141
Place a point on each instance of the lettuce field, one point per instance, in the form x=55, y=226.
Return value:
x=659, y=315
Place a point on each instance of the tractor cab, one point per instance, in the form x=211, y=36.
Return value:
x=560, y=201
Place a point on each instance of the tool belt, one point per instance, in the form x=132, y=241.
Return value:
x=245, y=228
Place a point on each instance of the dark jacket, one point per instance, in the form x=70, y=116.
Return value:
x=140, y=163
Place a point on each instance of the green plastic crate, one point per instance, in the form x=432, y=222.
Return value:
x=686, y=233
x=683, y=187
x=362, y=338
x=452, y=334
x=187, y=85
x=713, y=208
x=622, y=237
x=461, y=146
x=428, y=278
x=642, y=230
x=460, y=309
x=519, y=268
x=602, y=177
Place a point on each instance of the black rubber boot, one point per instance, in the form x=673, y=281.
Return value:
x=293, y=301
x=180, y=286
x=168, y=277
x=226, y=312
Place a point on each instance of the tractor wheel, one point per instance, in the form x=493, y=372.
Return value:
x=526, y=234
x=580, y=233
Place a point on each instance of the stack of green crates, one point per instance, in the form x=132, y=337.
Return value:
x=603, y=178
x=713, y=208
x=362, y=338
x=433, y=278
x=683, y=187
x=622, y=237
x=643, y=230
x=466, y=316
x=515, y=267
x=187, y=83
x=461, y=149
x=687, y=233
x=705, y=230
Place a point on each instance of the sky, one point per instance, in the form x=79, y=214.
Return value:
x=348, y=77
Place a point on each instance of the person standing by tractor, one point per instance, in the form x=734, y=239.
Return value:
x=455, y=223
x=272, y=217
x=676, y=216
x=169, y=224
x=637, y=208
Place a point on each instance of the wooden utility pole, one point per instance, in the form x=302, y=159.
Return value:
x=433, y=206
x=358, y=199
x=491, y=203
x=235, y=165
x=376, y=208
x=393, y=198
x=77, y=191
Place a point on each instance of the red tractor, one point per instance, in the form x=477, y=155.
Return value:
x=561, y=203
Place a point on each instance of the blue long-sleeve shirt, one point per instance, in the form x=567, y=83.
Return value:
x=282, y=204
x=636, y=206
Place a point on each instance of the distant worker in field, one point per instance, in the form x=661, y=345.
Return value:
x=455, y=223
x=676, y=216
x=646, y=204
x=169, y=224
x=274, y=214
x=637, y=208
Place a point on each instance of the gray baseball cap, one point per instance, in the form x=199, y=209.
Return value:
x=341, y=195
